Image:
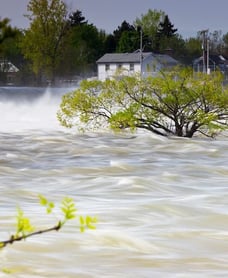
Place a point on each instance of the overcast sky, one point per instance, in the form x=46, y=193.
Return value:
x=188, y=16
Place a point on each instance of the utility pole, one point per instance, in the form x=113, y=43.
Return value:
x=205, y=48
x=141, y=48
x=208, y=56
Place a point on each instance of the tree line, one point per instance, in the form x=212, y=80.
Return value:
x=63, y=45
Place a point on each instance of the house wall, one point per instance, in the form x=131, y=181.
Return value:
x=150, y=67
x=103, y=73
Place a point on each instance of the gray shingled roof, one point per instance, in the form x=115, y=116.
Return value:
x=122, y=57
x=166, y=59
x=135, y=58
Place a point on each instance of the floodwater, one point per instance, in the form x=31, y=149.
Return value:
x=161, y=204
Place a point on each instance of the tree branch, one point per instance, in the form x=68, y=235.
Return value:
x=14, y=238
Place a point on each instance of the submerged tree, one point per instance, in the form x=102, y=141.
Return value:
x=173, y=103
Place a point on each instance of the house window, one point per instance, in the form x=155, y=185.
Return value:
x=131, y=66
x=119, y=66
x=107, y=67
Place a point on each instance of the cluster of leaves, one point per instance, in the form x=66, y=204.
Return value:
x=172, y=103
x=25, y=229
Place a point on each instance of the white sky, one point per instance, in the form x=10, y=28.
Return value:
x=188, y=16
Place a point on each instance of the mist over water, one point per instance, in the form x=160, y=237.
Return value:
x=161, y=203
x=29, y=108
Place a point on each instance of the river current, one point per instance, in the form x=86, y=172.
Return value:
x=161, y=204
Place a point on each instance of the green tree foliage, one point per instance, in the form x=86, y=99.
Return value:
x=84, y=44
x=173, y=46
x=24, y=228
x=150, y=23
x=8, y=41
x=173, y=103
x=42, y=43
x=128, y=42
x=9, y=50
x=193, y=48
x=124, y=39
x=124, y=27
x=6, y=31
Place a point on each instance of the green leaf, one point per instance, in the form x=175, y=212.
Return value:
x=6, y=270
x=82, y=220
x=87, y=222
x=68, y=208
x=43, y=200
x=23, y=224
x=90, y=221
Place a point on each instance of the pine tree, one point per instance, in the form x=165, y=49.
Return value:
x=166, y=28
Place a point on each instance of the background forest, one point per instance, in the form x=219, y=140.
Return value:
x=61, y=46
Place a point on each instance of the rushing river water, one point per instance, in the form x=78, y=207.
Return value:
x=161, y=204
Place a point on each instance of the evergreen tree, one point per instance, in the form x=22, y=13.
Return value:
x=84, y=44
x=164, y=34
x=76, y=18
x=110, y=44
x=124, y=27
x=166, y=29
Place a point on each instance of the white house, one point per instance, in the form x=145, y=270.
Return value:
x=146, y=63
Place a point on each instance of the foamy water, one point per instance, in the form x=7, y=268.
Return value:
x=161, y=203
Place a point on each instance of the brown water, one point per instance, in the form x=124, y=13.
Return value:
x=161, y=203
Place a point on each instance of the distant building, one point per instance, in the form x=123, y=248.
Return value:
x=213, y=62
x=8, y=72
x=146, y=63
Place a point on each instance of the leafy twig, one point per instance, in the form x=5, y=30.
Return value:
x=25, y=229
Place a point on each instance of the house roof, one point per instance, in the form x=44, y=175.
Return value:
x=8, y=67
x=217, y=59
x=123, y=57
x=166, y=59
x=135, y=58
